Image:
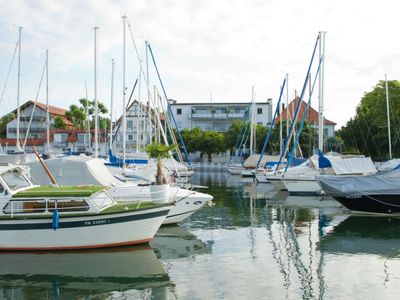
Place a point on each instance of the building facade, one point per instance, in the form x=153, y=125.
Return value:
x=38, y=126
x=219, y=116
x=139, y=127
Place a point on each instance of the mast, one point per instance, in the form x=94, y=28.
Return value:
x=287, y=105
x=147, y=123
x=138, y=110
x=112, y=103
x=18, y=145
x=123, y=100
x=96, y=104
x=388, y=117
x=47, y=102
x=251, y=120
x=321, y=92
x=87, y=116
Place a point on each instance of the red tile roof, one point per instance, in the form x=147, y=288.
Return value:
x=53, y=111
x=311, y=117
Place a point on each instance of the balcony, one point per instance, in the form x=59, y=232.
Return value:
x=60, y=144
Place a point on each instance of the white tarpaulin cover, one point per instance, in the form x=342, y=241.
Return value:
x=389, y=165
x=357, y=165
x=252, y=160
x=74, y=170
x=374, y=184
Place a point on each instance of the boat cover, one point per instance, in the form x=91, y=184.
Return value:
x=252, y=160
x=74, y=170
x=356, y=165
x=374, y=184
x=389, y=165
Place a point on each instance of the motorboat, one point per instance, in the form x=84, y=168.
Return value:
x=73, y=217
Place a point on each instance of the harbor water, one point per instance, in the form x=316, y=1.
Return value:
x=252, y=243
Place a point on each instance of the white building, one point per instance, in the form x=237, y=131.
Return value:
x=219, y=116
x=38, y=125
x=139, y=127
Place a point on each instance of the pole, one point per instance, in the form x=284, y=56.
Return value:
x=123, y=100
x=388, y=117
x=18, y=145
x=148, y=131
x=321, y=92
x=47, y=102
x=251, y=120
x=87, y=117
x=112, y=103
x=96, y=104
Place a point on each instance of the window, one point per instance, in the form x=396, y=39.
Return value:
x=60, y=137
x=68, y=205
x=179, y=111
x=130, y=137
x=259, y=123
x=25, y=206
x=259, y=111
x=129, y=124
x=141, y=136
x=15, y=180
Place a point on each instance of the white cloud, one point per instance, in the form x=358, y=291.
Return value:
x=223, y=47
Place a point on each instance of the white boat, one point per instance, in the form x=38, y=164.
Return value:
x=93, y=172
x=75, y=217
x=248, y=173
x=235, y=169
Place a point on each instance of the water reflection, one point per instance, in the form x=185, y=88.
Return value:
x=71, y=275
x=363, y=234
x=173, y=242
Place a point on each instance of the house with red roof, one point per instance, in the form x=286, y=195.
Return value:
x=311, y=117
x=61, y=140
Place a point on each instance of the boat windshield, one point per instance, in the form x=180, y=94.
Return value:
x=15, y=180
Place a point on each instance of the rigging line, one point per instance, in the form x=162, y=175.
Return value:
x=169, y=107
x=293, y=124
x=272, y=125
x=34, y=106
x=147, y=83
x=8, y=73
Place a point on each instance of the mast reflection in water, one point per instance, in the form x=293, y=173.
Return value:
x=253, y=243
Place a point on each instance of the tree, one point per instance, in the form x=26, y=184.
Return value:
x=86, y=110
x=4, y=120
x=59, y=123
x=367, y=132
x=159, y=152
x=212, y=142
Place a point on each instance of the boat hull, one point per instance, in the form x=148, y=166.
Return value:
x=186, y=205
x=82, y=232
x=376, y=204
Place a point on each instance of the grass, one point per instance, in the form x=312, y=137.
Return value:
x=62, y=191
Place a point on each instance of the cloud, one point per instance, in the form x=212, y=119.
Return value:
x=223, y=47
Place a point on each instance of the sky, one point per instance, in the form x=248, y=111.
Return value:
x=206, y=50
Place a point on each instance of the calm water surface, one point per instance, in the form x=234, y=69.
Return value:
x=253, y=243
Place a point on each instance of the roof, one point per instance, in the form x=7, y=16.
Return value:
x=311, y=117
x=61, y=191
x=53, y=111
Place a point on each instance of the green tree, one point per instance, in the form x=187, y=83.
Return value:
x=86, y=110
x=4, y=120
x=59, y=123
x=367, y=132
x=212, y=142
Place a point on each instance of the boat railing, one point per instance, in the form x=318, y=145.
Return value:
x=29, y=206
